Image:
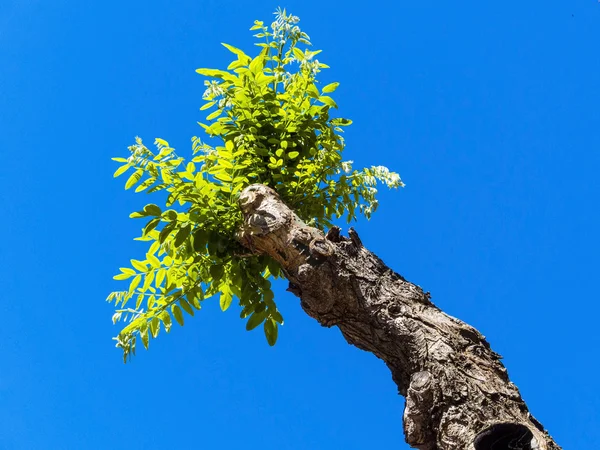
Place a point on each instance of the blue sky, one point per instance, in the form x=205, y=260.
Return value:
x=489, y=110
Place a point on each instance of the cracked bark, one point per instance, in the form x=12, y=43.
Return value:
x=458, y=394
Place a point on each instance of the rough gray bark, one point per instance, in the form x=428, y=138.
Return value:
x=458, y=394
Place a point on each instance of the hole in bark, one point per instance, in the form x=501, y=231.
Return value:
x=395, y=310
x=506, y=436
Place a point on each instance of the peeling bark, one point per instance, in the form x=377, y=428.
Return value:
x=458, y=394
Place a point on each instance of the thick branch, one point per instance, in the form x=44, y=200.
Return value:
x=458, y=395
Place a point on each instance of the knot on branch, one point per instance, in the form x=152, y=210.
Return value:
x=253, y=195
x=320, y=248
x=302, y=236
x=304, y=273
x=262, y=210
x=417, y=411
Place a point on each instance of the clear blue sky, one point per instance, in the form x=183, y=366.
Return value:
x=490, y=112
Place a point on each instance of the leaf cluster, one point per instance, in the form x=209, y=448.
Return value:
x=273, y=124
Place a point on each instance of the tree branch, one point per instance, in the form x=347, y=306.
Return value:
x=458, y=394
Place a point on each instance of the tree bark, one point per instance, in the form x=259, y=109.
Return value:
x=458, y=394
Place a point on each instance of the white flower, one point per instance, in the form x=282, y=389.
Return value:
x=213, y=90
x=347, y=166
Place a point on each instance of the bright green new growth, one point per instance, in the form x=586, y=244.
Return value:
x=274, y=125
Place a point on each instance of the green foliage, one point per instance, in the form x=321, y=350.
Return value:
x=274, y=126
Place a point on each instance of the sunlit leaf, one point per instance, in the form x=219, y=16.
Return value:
x=225, y=300
x=139, y=265
x=121, y=170
x=134, y=178
x=330, y=88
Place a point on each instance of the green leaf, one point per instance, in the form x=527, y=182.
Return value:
x=293, y=155
x=312, y=91
x=216, y=271
x=195, y=301
x=186, y=306
x=121, y=170
x=237, y=51
x=182, y=235
x=147, y=183
x=200, y=239
x=152, y=210
x=138, y=302
x=166, y=231
x=217, y=74
x=223, y=176
x=135, y=283
x=154, y=326
x=170, y=215
x=330, y=88
x=153, y=260
x=151, y=301
x=277, y=317
x=225, y=300
x=151, y=226
x=145, y=338
x=327, y=101
x=121, y=276
x=139, y=265
x=274, y=267
x=176, y=310
x=254, y=321
x=166, y=320
x=127, y=270
x=270, y=328
x=160, y=277
x=298, y=54
x=339, y=122
x=214, y=114
x=134, y=178
x=148, y=280
x=257, y=25
x=257, y=64
x=207, y=105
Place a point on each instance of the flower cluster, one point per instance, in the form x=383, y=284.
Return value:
x=383, y=174
x=311, y=67
x=285, y=28
x=139, y=153
x=347, y=166
x=213, y=90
